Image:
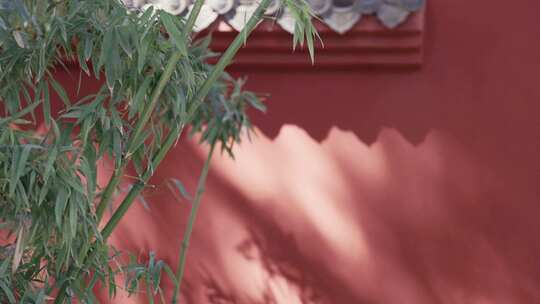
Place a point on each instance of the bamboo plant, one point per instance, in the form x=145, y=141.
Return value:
x=156, y=84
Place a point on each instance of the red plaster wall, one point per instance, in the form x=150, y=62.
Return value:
x=375, y=185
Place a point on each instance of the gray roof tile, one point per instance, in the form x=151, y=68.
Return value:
x=340, y=15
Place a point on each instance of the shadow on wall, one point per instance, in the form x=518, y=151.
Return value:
x=382, y=216
x=293, y=221
x=319, y=215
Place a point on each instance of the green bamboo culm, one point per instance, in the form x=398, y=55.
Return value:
x=141, y=123
x=191, y=222
x=143, y=120
x=218, y=69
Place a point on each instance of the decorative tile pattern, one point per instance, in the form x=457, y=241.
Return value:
x=340, y=15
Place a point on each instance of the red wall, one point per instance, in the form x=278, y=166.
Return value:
x=375, y=185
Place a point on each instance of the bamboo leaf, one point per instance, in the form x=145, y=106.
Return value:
x=170, y=274
x=137, y=104
x=125, y=40
x=142, y=51
x=19, y=250
x=156, y=275
x=40, y=298
x=60, y=205
x=22, y=196
x=72, y=180
x=144, y=202
x=60, y=91
x=46, y=104
x=90, y=171
x=255, y=102
x=56, y=130
x=22, y=113
x=4, y=266
x=73, y=216
x=113, y=63
x=149, y=291
x=176, y=185
x=117, y=146
x=309, y=40
x=49, y=168
x=82, y=59
x=107, y=47
x=20, y=39
x=7, y=291
x=174, y=33
x=19, y=163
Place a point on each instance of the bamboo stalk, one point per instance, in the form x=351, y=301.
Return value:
x=223, y=62
x=190, y=23
x=141, y=123
x=191, y=221
x=147, y=112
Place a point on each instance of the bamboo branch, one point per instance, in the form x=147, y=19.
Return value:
x=147, y=112
x=223, y=62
